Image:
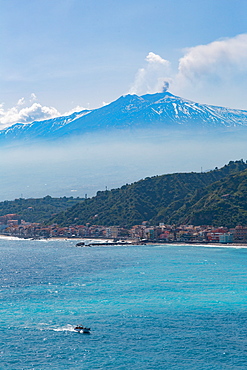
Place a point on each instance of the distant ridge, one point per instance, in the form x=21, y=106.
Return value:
x=217, y=197
x=160, y=110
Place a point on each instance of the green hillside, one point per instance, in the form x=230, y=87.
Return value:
x=165, y=198
x=37, y=210
x=222, y=203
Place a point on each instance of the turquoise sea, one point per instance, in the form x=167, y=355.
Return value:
x=149, y=307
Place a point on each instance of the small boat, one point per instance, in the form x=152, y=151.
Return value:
x=82, y=329
x=80, y=244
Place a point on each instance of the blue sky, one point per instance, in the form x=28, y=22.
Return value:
x=62, y=55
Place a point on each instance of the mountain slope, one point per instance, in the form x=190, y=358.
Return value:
x=221, y=203
x=39, y=129
x=155, y=199
x=159, y=110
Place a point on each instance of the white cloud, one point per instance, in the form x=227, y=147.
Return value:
x=214, y=73
x=26, y=111
x=151, y=78
x=30, y=113
x=21, y=101
x=78, y=108
x=156, y=59
x=220, y=59
x=33, y=97
x=20, y=114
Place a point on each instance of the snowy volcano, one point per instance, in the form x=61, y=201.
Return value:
x=157, y=111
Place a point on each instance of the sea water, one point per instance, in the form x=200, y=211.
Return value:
x=148, y=307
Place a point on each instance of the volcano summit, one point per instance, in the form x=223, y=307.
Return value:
x=156, y=111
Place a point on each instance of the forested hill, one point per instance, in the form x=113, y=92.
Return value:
x=37, y=210
x=222, y=203
x=167, y=198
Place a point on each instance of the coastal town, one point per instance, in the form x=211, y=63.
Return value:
x=13, y=225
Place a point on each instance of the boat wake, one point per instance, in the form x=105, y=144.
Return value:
x=67, y=327
x=64, y=328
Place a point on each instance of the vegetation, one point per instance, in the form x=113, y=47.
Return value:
x=169, y=198
x=37, y=210
x=217, y=197
x=222, y=203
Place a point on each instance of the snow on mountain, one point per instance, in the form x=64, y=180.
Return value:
x=158, y=110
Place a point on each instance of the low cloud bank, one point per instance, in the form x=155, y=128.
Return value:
x=93, y=163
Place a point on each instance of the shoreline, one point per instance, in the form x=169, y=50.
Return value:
x=109, y=242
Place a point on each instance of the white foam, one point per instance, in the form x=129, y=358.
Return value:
x=205, y=245
x=6, y=237
x=67, y=327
